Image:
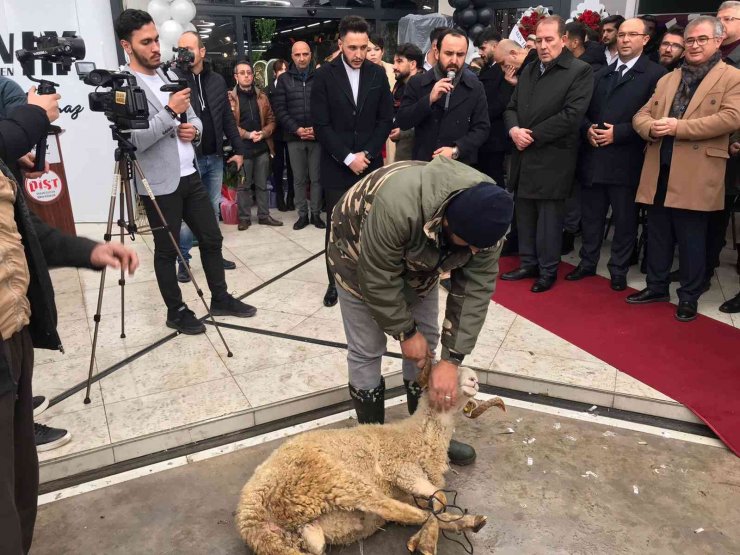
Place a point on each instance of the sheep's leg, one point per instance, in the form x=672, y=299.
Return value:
x=267, y=539
x=412, y=479
x=313, y=538
x=425, y=540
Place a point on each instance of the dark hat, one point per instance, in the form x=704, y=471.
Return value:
x=481, y=215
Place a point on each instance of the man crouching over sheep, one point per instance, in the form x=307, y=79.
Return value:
x=392, y=235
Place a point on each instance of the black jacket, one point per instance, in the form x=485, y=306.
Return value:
x=44, y=245
x=498, y=93
x=594, y=55
x=552, y=106
x=619, y=163
x=292, y=102
x=343, y=127
x=216, y=98
x=465, y=124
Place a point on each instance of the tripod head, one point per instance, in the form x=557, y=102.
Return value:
x=125, y=149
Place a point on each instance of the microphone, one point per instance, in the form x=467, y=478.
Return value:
x=451, y=77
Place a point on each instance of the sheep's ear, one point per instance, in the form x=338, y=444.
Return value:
x=474, y=408
x=423, y=377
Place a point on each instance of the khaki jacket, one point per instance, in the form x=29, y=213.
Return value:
x=700, y=151
x=267, y=117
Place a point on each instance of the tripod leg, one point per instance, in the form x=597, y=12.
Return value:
x=122, y=279
x=180, y=257
x=96, y=318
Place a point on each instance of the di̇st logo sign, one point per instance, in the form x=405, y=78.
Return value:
x=46, y=188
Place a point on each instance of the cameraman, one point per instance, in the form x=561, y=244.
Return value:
x=212, y=107
x=167, y=157
x=28, y=316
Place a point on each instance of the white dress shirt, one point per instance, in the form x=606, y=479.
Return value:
x=630, y=64
x=354, y=82
x=611, y=58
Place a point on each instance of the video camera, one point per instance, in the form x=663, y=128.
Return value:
x=183, y=61
x=52, y=48
x=125, y=105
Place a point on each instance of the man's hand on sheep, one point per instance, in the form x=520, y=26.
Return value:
x=416, y=348
x=443, y=385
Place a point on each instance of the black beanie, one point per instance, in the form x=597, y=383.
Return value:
x=480, y=215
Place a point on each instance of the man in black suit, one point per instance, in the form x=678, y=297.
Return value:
x=498, y=93
x=352, y=110
x=543, y=119
x=612, y=154
x=449, y=115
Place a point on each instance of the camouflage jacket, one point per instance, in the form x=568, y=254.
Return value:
x=387, y=249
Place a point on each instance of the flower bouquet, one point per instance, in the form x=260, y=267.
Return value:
x=527, y=24
x=590, y=13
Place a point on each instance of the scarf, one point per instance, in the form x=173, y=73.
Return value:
x=691, y=77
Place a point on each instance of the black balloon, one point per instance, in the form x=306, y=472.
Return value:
x=485, y=15
x=475, y=30
x=468, y=17
x=480, y=3
x=456, y=17
x=460, y=4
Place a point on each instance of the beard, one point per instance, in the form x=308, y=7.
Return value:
x=143, y=61
x=449, y=67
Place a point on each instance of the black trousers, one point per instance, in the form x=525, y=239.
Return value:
x=332, y=197
x=492, y=164
x=716, y=230
x=595, y=201
x=19, y=464
x=540, y=225
x=279, y=163
x=189, y=203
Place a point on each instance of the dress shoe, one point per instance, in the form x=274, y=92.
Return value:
x=732, y=306
x=301, y=223
x=511, y=248
x=568, y=244
x=229, y=265
x=619, y=283
x=269, y=220
x=330, y=298
x=579, y=273
x=647, y=296
x=318, y=222
x=543, y=284
x=521, y=273
x=244, y=224
x=182, y=273
x=686, y=311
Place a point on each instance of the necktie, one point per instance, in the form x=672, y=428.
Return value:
x=618, y=79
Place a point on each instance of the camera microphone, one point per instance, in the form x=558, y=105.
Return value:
x=451, y=76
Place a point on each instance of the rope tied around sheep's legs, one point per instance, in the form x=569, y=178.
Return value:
x=457, y=513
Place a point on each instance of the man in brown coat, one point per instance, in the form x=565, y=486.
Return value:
x=256, y=124
x=687, y=123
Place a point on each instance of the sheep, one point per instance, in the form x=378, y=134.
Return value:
x=340, y=486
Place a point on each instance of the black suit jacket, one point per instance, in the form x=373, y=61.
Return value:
x=465, y=123
x=619, y=163
x=498, y=93
x=343, y=127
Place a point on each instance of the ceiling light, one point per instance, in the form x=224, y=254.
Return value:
x=228, y=39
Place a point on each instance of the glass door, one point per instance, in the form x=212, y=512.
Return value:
x=220, y=37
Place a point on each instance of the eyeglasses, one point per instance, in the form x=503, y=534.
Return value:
x=728, y=19
x=245, y=73
x=701, y=41
x=671, y=45
x=631, y=35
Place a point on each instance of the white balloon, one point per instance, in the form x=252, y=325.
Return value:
x=159, y=10
x=165, y=49
x=182, y=11
x=191, y=27
x=170, y=31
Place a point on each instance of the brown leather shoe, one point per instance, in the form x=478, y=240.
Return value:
x=269, y=220
x=243, y=224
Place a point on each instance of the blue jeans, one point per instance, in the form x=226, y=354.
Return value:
x=211, y=168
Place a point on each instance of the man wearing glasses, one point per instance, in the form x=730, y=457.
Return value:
x=687, y=123
x=612, y=156
x=671, y=48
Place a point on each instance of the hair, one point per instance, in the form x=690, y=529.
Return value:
x=197, y=36
x=576, y=30
x=648, y=17
x=592, y=34
x=279, y=65
x=511, y=45
x=130, y=21
x=675, y=30
x=729, y=6
x=486, y=35
x=615, y=20
x=553, y=19
x=435, y=34
x=451, y=33
x=377, y=40
x=719, y=30
x=243, y=63
x=353, y=24
x=412, y=53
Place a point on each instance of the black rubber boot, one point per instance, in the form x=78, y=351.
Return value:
x=369, y=403
x=460, y=454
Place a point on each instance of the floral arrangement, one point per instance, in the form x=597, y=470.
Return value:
x=590, y=13
x=590, y=19
x=529, y=20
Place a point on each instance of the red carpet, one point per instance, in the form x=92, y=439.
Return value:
x=695, y=363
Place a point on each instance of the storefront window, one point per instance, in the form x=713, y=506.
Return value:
x=218, y=34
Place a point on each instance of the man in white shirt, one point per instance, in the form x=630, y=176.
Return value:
x=167, y=157
x=609, y=28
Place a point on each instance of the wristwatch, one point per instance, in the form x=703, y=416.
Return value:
x=456, y=358
x=197, y=136
x=455, y=152
x=403, y=336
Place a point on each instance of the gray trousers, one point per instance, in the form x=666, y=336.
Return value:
x=366, y=341
x=305, y=160
x=254, y=170
x=540, y=224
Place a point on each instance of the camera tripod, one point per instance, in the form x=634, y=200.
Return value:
x=126, y=167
